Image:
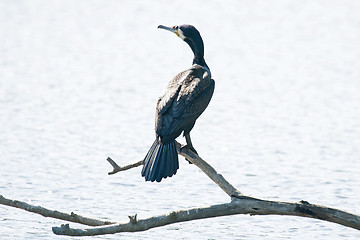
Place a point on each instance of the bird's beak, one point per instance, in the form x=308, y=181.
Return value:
x=170, y=29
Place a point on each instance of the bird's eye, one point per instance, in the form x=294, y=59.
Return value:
x=176, y=27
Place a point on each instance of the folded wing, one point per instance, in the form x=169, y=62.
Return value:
x=186, y=97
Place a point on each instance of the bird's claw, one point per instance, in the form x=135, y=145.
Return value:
x=190, y=148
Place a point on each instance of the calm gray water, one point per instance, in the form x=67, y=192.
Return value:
x=79, y=81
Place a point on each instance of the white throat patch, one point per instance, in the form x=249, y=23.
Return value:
x=181, y=34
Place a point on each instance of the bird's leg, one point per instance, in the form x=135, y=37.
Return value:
x=188, y=144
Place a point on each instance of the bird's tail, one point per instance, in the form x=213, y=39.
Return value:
x=160, y=162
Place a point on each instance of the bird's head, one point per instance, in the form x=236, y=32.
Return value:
x=183, y=31
x=191, y=36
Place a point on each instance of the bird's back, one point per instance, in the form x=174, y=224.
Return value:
x=185, y=98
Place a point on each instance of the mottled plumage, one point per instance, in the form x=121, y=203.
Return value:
x=186, y=98
x=183, y=101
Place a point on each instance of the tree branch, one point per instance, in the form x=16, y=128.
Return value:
x=117, y=168
x=209, y=171
x=53, y=213
x=241, y=206
x=196, y=160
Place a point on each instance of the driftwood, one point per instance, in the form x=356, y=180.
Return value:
x=72, y=217
x=243, y=206
x=117, y=168
x=240, y=204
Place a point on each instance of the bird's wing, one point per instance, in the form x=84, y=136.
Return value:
x=171, y=92
x=194, y=95
x=187, y=101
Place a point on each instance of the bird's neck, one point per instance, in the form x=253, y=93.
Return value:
x=200, y=61
x=198, y=49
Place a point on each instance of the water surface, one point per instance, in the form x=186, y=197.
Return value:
x=79, y=81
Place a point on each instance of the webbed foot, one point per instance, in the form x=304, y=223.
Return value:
x=190, y=147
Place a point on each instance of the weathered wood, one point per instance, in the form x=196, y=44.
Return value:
x=117, y=168
x=240, y=206
x=208, y=170
x=196, y=160
x=53, y=213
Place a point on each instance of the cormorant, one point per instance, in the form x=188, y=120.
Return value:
x=183, y=101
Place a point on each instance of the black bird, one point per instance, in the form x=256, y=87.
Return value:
x=183, y=101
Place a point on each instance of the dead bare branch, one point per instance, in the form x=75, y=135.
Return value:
x=117, y=168
x=208, y=170
x=240, y=206
x=53, y=213
x=196, y=160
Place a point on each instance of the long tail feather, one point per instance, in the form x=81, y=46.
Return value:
x=160, y=162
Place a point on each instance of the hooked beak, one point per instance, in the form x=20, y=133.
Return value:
x=170, y=29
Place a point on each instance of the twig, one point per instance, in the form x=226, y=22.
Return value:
x=196, y=160
x=241, y=206
x=117, y=168
x=53, y=213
